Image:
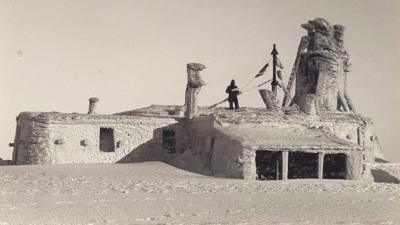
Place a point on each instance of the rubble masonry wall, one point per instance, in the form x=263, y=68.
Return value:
x=54, y=143
x=219, y=154
x=31, y=143
x=227, y=157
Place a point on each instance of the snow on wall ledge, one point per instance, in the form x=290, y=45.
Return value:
x=54, y=138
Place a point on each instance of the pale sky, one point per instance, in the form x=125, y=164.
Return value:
x=55, y=54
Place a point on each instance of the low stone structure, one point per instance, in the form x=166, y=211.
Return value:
x=318, y=136
x=47, y=138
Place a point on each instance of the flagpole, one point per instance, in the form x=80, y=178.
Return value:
x=274, y=82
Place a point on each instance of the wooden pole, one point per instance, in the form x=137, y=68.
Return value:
x=285, y=165
x=277, y=169
x=320, y=165
x=274, y=82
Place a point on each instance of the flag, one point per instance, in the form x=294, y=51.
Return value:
x=261, y=72
x=279, y=64
x=279, y=74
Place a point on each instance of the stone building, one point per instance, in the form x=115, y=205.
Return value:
x=49, y=138
x=256, y=143
x=317, y=135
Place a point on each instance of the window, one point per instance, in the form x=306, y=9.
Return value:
x=335, y=166
x=107, y=140
x=268, y=165
x=169, y=141
x=302, y=165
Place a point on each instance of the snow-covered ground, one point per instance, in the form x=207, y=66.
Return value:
x=156, y=193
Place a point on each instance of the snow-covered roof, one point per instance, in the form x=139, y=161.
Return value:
x=223, y=115
x=286, y=136
x=246, y=114
x=77, y=118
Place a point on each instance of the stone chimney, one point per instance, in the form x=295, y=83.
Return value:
x=93, y=105
x=193, y=88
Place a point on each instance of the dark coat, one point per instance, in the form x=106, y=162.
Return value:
x=232, y=94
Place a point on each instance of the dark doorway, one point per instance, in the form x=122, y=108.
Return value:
x=169, y=141
x=334, y=166
x=107, y=140
x=303, y=165
x=269, y=165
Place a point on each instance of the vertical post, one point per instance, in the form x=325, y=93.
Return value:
x=285, y=165
x=274, y=82
x=193, y=88
x=321, y=165
x=277, y=169
x=359, y=133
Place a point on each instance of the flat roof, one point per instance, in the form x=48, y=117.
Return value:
x=286, y=136
x=248, y=114
x=223, y=115
x=77, y=118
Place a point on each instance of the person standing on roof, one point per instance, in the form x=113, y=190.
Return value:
x=233, y=92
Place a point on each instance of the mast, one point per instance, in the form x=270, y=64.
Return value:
x=274, y=82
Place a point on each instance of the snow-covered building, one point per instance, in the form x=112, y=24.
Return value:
x=252, y=143
x=315, y=134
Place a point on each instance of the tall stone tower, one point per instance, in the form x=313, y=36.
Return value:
x=321, y=74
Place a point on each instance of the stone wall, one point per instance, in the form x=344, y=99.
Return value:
x=31, y=142
x=345, y=130
x=249, y=164
x=358, y=132
x=361, y=133
x=225, y=155
x=202, y=144
x=372, y=146
x=227, y=159
x=71, y=141
x=355, y=168
x=208, y=151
